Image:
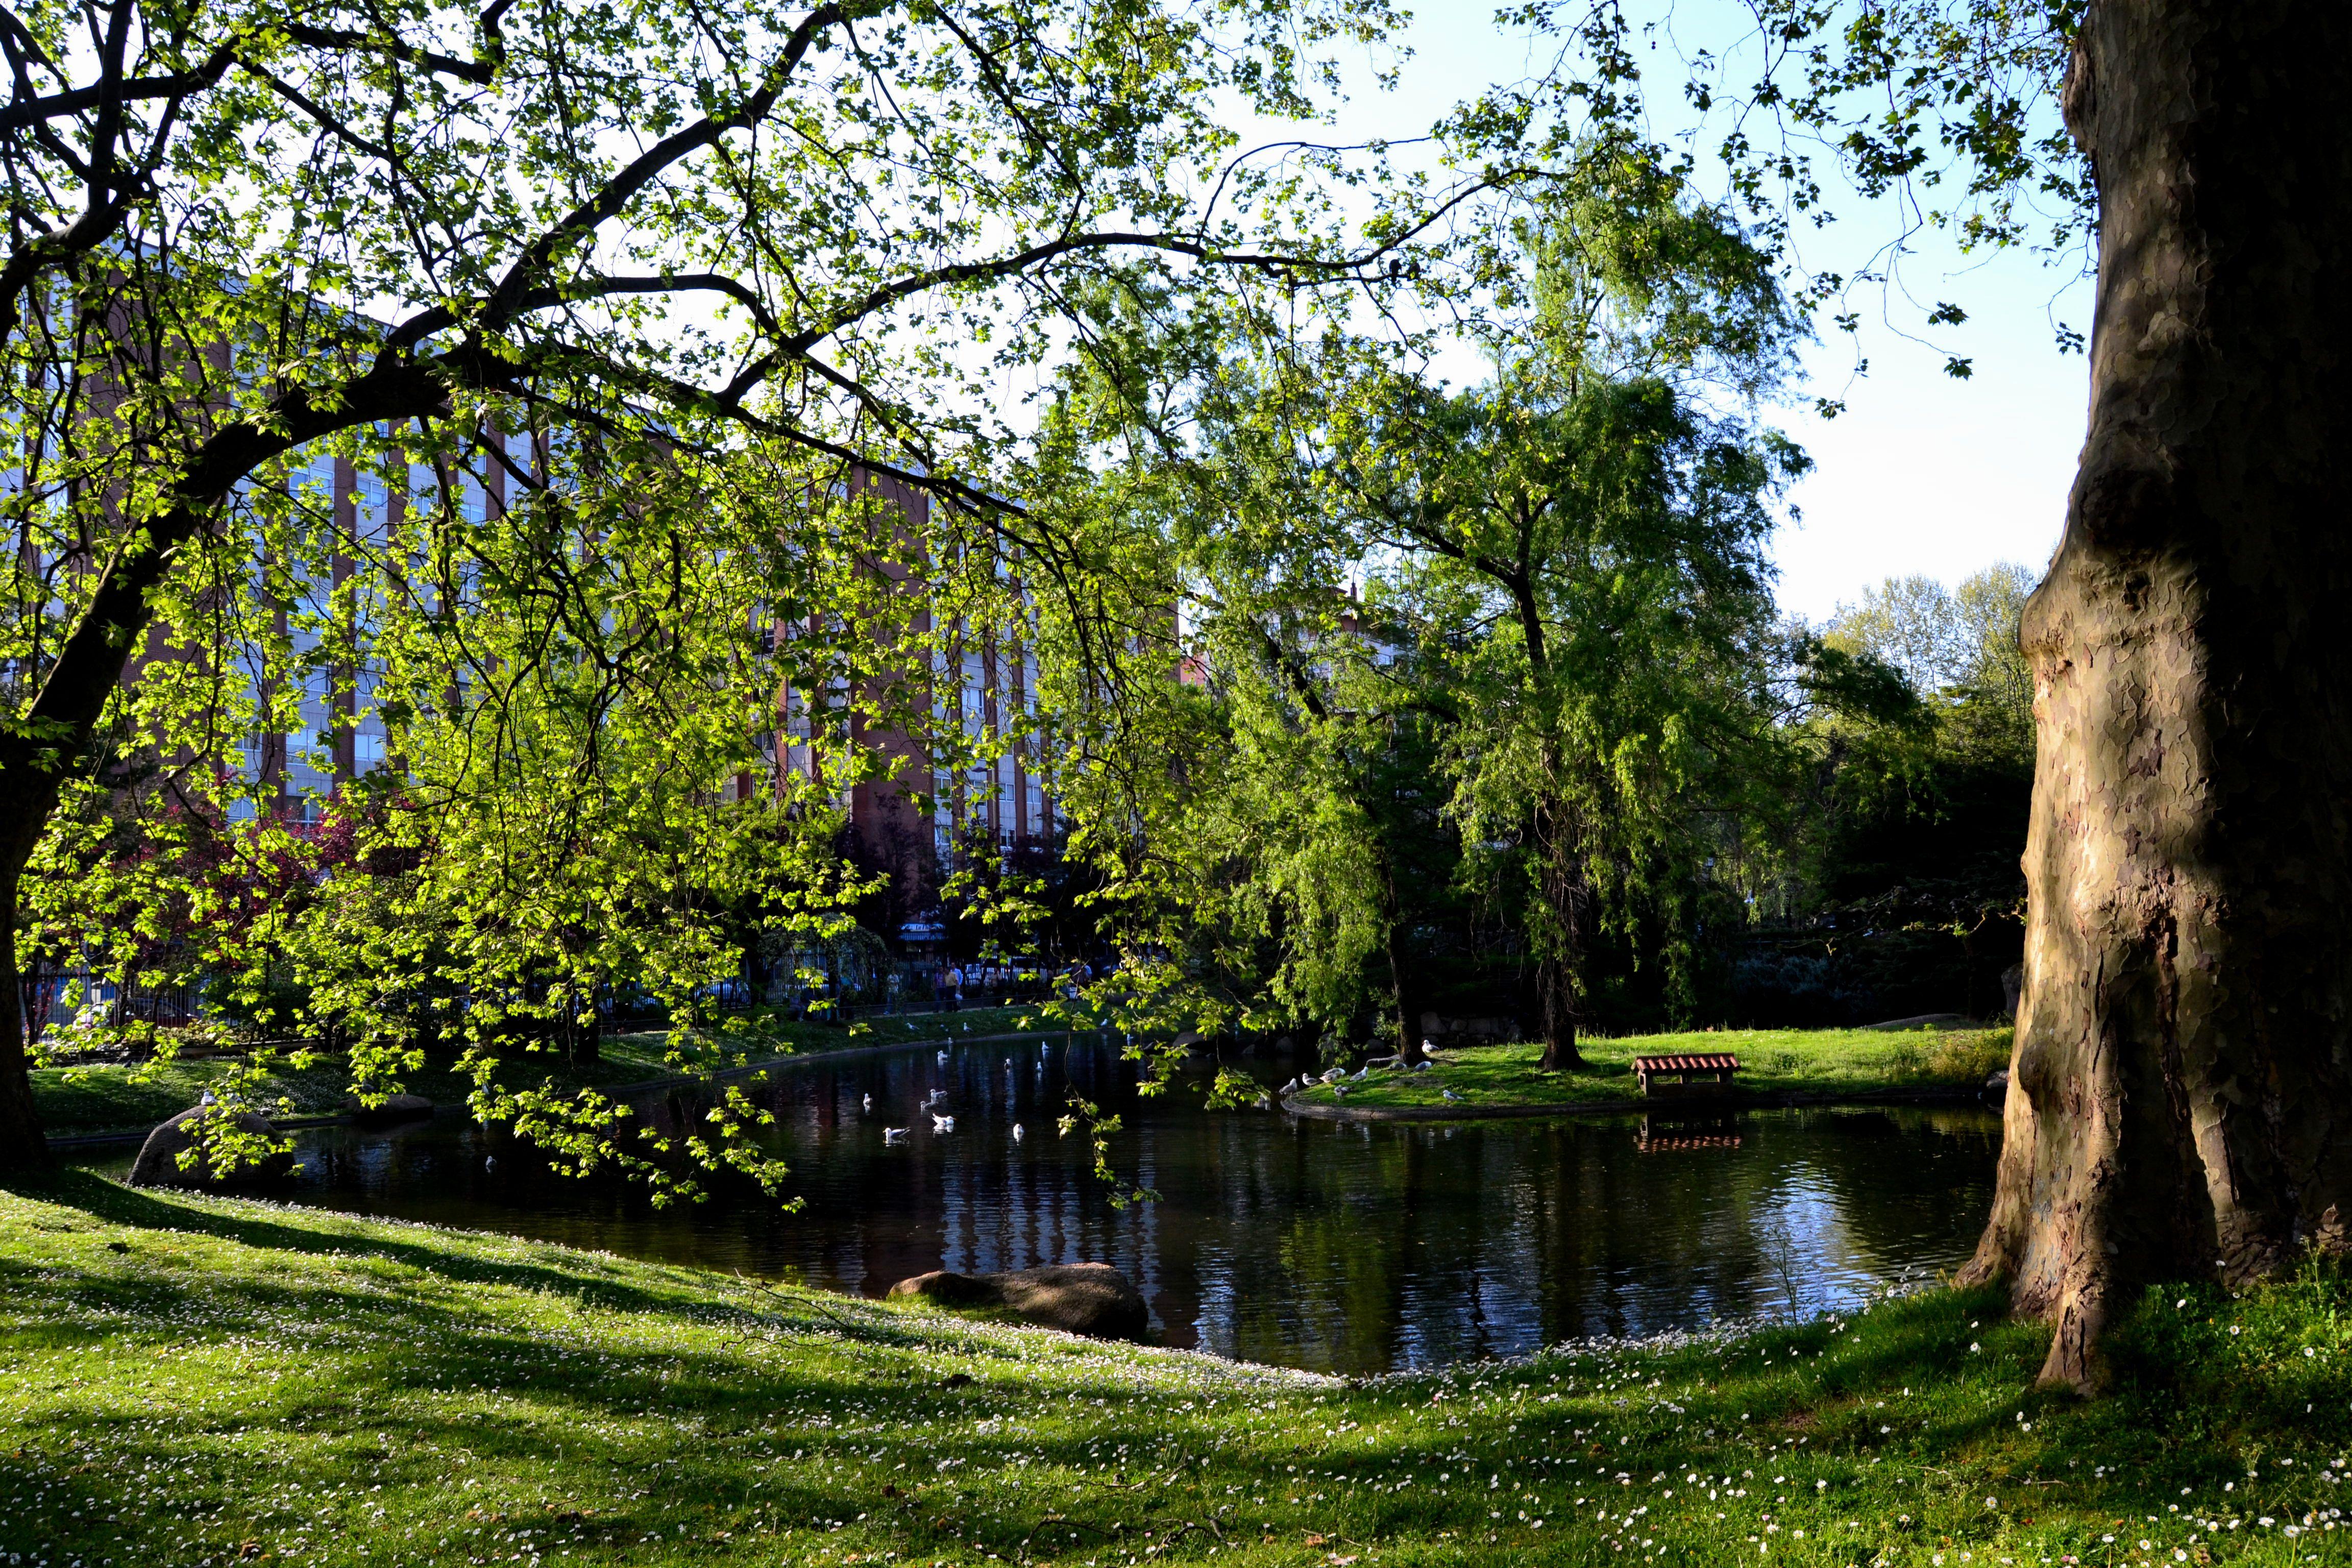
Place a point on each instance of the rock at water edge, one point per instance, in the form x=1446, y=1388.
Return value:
x=1077, y=1298
x=158, y=1164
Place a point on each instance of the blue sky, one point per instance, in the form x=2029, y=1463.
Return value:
x=1921, y=473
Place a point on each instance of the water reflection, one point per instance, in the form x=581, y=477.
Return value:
x=1343, y=1246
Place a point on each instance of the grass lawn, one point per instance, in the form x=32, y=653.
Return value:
x=82, y=1100
x=194, y=1380
x=1820, y=1060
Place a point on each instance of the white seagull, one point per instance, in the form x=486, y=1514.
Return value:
x=1449, y=1094
x=943, y=1059
x=1290, y=1087
x=942, y=1123
x=869, y=1105
x=894, y=1135
x=1017, y=1133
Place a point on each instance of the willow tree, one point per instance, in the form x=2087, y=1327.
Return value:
x=1572, y=552
x=335, y=335
x=1589, y=562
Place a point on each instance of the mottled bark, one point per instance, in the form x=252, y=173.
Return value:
x=22, y=1144
x=2182, y=1088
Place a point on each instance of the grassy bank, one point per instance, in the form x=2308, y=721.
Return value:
x=1829, y=1061
x=79, y=1101
x=197, y=1381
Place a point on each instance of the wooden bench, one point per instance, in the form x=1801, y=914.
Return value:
x=1695, y=1073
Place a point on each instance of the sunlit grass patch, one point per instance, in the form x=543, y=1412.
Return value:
x=196, y=1380
x=1771, y=1060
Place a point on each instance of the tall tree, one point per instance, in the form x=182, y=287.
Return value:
x=1315, y=820
x=1589, y=560
x=242, y=239
x=2184, y=1059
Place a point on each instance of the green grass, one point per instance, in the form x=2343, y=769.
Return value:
x=80, y=1101
x=1836, y=1061
x=194, y=1380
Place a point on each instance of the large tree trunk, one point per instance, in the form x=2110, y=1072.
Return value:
x=22, y=1145
x=2182, y=1090
x=1402, y=975
x=1556, y=1006
x=1565, y=901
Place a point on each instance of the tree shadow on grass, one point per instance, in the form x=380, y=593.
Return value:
x=582, y=1276
x=338, y=1377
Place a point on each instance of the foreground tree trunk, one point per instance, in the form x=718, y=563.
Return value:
x=23, y=1145
x=2182, y=1088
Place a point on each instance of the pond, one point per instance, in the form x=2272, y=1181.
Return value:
x=1338, y=1247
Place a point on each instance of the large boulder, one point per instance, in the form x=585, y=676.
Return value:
x=158, y=1164
x=1076, y=1298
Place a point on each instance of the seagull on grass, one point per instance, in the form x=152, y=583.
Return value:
x=1449, y=1094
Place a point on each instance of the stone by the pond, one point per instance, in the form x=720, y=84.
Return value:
x=1077, y=1298
x=158, y=1164
x=396, y=1108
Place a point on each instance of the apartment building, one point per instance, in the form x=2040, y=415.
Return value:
x=336, y=735
x=918, y=822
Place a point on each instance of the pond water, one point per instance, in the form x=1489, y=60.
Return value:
x=1338, y=1247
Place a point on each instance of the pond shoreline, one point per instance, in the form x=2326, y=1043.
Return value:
x=845, y=1054
x=1726, y=1104
x=77, y=1142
